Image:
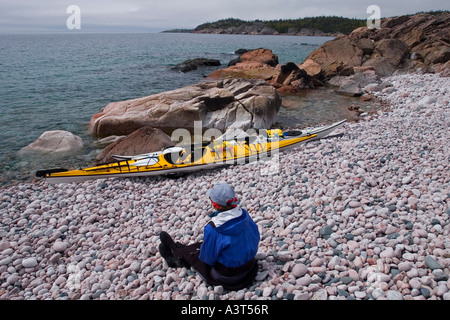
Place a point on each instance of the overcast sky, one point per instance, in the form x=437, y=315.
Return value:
x=157, y=15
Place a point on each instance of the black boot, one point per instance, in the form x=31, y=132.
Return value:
x=167, y=254
x=167, y=240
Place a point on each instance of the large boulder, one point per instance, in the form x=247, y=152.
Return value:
x=264, y=56
x=253, y=64
x=334, y=56
x=143, y=140
x=55, y=142
x=217, y=104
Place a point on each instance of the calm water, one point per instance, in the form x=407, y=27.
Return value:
x=57, y=82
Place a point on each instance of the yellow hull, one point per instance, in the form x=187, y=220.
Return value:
x=202, y=157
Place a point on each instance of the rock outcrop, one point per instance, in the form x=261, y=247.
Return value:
x=54, y=142
x=253, y=64
x=334, y=56
x=217, y=104
x=143, y=140
x=193, y=64
x=387, y=56
x=263, y=64
x=402, y=43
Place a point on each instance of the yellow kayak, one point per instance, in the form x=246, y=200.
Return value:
x=177, y=160
x=188, y=159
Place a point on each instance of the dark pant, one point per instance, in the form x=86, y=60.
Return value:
x=189, y=255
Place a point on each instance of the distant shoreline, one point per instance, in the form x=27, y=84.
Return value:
x=318, y=33
x=311, y=26
x=331, y=26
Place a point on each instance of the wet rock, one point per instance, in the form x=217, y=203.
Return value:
x=55, y=142
x=193, y=64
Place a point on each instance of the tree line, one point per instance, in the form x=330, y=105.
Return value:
x=326, y=24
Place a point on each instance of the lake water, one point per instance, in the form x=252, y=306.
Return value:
x=58, y=81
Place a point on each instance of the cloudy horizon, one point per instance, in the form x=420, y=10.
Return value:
x=23, y=16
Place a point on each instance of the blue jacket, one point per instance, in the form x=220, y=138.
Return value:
x=233, y=242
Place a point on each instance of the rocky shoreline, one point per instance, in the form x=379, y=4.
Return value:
x=313, y=26
x=261, y=29
x=360, y=216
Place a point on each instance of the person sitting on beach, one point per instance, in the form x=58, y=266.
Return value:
x=230, y=242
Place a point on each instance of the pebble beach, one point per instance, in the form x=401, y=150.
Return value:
x=361, y=215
